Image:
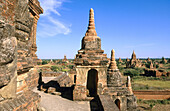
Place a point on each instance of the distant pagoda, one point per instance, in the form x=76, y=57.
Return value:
x=133, y=62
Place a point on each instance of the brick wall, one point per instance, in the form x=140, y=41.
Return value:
x=26, y=101
x=16, y=68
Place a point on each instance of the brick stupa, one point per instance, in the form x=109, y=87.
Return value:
x=113, y=75
x=91, y=65
x=91, y=52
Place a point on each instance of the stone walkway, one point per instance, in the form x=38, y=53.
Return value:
x=56, y=103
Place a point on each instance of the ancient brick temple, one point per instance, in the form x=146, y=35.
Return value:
x=120, y=60
x=134, y=62
x=95, y=76
x=91, y=65
x=65, y=60
x=119, y=90
x=18, y=19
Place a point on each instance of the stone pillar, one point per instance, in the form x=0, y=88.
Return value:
x=33, y=38
x=34, y=45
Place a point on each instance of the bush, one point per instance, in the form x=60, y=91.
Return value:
x=148, y=65
x=120, y=68
x=131, y=73
x=70, y=66
x=64, y=70
x=154, y=102
x=54, y=60
x=147, y=87
x=152, y=105
x=156, y=65
x=139, y=100
x=38, y=63
x=165, y=101
x=59, y=61
x=123, y=63
x=140, y=70
x=44, y=62
x=55, y=68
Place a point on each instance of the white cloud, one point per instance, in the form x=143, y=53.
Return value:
x=51, y=6
x=49, y=25
x=60, y=26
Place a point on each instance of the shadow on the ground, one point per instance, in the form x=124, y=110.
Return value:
x=95, y=104
x=66, y=92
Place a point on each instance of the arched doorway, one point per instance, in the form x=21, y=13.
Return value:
x=74, y=78
x=117, y=102
x=92, y=80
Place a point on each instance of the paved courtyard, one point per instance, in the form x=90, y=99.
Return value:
x=56, y=103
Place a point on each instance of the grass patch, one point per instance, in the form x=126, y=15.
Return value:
x=154, y=83
x=150, y=83
x=166, y=65
x=165, y=101
x=60, y=68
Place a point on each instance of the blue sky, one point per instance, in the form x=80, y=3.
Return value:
x=122, y=25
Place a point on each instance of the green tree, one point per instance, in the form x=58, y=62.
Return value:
x=44, y=62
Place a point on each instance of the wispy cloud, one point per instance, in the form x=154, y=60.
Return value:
x=51, y=6
x=48, y=24
x=140, y=45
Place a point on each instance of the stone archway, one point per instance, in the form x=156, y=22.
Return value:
x=92, y=80
x=117, y=102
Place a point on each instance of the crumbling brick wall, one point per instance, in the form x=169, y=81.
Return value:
x=15, y=56
x=8, y=49
x=155, y=73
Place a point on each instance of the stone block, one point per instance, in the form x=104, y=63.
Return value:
x=51, y=90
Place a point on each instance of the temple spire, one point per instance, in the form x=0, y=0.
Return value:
x=91, y=28
x=113, y=55
x=133, y=55
x=113, y=64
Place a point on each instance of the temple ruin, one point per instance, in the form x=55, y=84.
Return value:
x=120, y=60
x=96, y=77
x=133, y=62
x=91, y=64
x=18, y=22
x=65, y=60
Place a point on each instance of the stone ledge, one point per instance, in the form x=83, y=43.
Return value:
x=28, y=100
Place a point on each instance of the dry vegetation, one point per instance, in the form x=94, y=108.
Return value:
x=154, y=83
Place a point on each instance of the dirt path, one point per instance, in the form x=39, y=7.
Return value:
x=57, y=103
